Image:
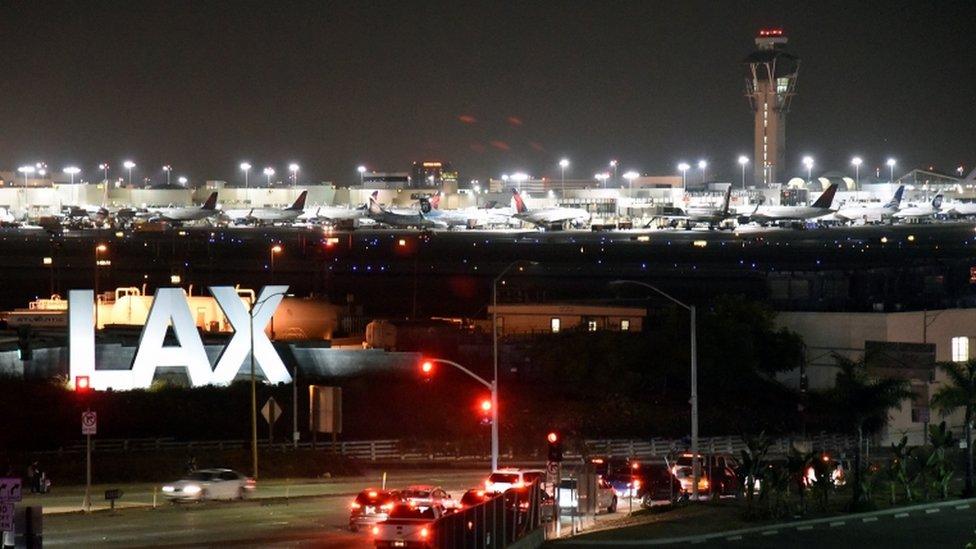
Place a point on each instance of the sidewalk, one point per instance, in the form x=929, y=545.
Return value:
x=70, y=499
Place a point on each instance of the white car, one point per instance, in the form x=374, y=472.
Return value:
x=503, y=479
x=407, y=526
x=206, y=484
x=423, y=495
x=606, y=498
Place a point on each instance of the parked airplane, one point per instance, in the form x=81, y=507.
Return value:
x=711, y=215
x=959, y=209
x=335, y=214
x=470, y=218
x=396, y=219
x=554, y=217
x=768, y=214
x=922, y=211
x=871, y=213
x=271, y=215
x=186, y=213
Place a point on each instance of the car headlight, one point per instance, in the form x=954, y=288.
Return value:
x=191, y=489
x=169, y=489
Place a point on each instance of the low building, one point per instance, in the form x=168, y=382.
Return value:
x=902, y=345
x=540, y=318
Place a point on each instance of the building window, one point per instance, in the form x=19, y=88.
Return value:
x=554, y=325
x=960, y=349
x=625, y=325
x=590, y=325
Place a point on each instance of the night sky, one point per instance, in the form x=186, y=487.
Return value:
x=493, y=87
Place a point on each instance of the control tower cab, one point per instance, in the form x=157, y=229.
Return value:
x=770, y=87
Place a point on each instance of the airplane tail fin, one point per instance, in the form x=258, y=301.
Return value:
x=374, y=206
x=937, y=202
x=726, y=201
x=211, y=203
x=896, y=200
x=517, y=203
x=299, y=202
x=827, y=198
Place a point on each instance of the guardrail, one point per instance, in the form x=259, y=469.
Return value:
x=372, y=450
x=499, y=521
x=660, y=447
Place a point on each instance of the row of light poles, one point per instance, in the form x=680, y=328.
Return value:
x=808, y=163
x=269, y=171
x=71, y=171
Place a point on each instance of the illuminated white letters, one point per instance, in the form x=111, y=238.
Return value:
x=170, y=308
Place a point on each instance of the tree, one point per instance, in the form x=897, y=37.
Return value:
x=863, y=404
x=960, y=392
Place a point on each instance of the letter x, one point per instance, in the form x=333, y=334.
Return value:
x=238, y=315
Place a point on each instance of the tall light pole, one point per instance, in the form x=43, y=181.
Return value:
x=563, y=164
x=683, y=168
x=245, y=167
x=72, y=171
x=169, y=170
x=891, y=169
x=182, y=180
x=743, y=161
x=294, y=168
x=613, y=166
x=361, y=170
x=808, y=164
x=128, y=165
x=268, y=172
x=26, y=170
x=701, y=166
x=494, y=353
x=696, y=467
x=630, y=177
x=602, y=178
x=856, y=161
x=104, y=167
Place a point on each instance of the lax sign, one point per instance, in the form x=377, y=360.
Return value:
x=170, y=308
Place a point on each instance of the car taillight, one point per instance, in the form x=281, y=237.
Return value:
x=355, y=505
x=372, y=494
x=387, y=506
x=376, y=530
x=423, y=533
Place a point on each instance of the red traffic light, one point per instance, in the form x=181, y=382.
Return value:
x=82, y=384
x=553, y=437
x=427, y=367
x=486, y=405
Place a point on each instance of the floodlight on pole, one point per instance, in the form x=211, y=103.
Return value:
x=891, y=169
x=72, y=171
x=743, y=161
x=683, y=168
x=268, y=172
x=630, y=176
x=128, y=165
x=294, y=169
x=701, y=166
x=361, y=170
x=104, y=167
x=182, y=180
x=563, y=164
x=26, y=170
x=808, y=164
x=856, y=161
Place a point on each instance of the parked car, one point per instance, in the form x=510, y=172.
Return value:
x=656, y=482
x=519, y=498
x=425, y=495
x=371, y=506
x=568, y=495
x=503, y=479
x=718, y=474
x=407, y=526
x=206, y=484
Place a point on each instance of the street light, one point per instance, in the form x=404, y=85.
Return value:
x=361, y=170
x=696, y=468
x=293, y=168
x=26, y=170
x=856, y=161
x=427, y=368
x=254, y=391
x=808, y=163
x=104, y=167
x=563, y=164
x=630, y=177
x=519, y=178
x=602, y=178
x=891, y=169
x=743, y=160
x=494, y=344
x=72, y=171
x=245, y=167
x=268, y=172
x=128, y=165
x=701, y=166
x=613, y=166
x=683, y=168
x=168, y=169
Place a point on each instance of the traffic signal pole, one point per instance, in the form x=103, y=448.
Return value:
x=493, y=387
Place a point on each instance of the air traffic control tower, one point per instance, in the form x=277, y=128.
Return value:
x=770, y=86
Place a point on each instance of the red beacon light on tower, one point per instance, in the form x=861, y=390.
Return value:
x=771, y=32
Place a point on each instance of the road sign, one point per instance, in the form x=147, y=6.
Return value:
x=89, y=423
x=271, y=411
x=9, y=490
x=6, y=517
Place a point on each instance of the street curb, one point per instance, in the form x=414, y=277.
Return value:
x=168, y=504
x=760, y=529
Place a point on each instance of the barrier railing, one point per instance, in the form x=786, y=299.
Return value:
x=496, y=522
x=660, y=447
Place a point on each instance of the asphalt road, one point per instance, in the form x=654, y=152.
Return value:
x=267, y=520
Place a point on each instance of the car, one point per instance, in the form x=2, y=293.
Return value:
x=371, y=506
x=718, y=474
x=503, y=479
x=408, y=525
x=425, y=495
x=656, y=482
x=623, y=474
x=475, y=496
x=207, y=484
x=520, y=498
x=568, y=495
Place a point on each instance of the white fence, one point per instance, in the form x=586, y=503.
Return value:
x=660, y=447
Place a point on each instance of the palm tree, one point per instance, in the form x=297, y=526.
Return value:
x=960, y=392
x=863, y=404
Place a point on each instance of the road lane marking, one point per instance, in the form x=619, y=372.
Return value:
x=869, y=519
x=961, y=507
x=838, y=523
x=930, y=511
x=802, y=528
x=901, y=515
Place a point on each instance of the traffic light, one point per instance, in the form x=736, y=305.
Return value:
x=82, y=385
x=427, y=369
x=555, y=453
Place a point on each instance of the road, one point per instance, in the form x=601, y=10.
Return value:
x=267, y=520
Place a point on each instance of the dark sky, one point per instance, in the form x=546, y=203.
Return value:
x=493, y=87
